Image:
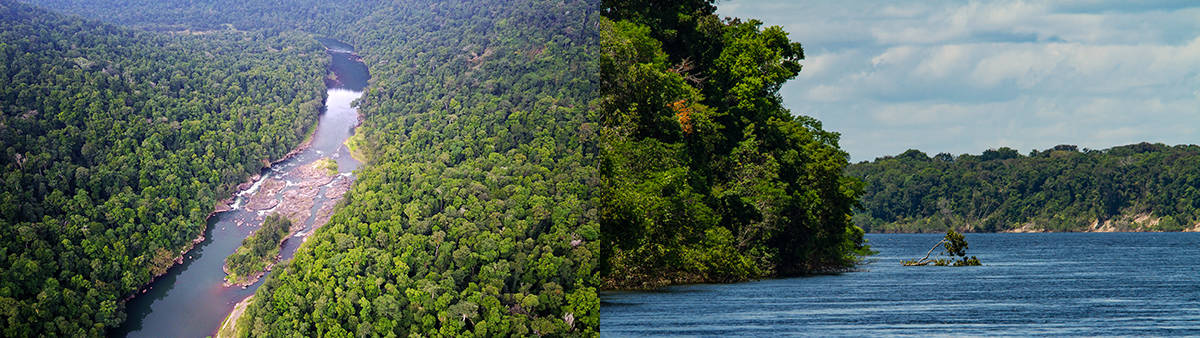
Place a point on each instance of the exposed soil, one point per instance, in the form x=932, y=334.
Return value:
x=228, y=327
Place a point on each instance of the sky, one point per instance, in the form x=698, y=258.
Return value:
x=963, y=77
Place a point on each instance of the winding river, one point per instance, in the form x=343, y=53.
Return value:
x=191, y=300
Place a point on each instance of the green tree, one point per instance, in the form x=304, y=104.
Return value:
x=954, y=245
x=116, y=143
x=704, y=175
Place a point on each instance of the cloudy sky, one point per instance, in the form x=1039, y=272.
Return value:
x=963, y=77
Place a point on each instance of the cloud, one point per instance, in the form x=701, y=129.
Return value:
x=963, y=77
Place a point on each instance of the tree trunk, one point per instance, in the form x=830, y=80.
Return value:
x=925, y=261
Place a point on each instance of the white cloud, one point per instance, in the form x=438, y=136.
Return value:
x=943, y=61
x=965, y=77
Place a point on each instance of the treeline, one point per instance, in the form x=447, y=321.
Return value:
x=270, y=17
x=257, y=250
x=705, y=176
x=475, y=214
x=116, y=144
x=1139, y=187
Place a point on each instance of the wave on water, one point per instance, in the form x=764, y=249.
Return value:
x=342, y=97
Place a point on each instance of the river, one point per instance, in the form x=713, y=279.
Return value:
x=1060, y=284
x=191, y=300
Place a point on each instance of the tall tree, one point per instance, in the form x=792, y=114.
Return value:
x=705, y=175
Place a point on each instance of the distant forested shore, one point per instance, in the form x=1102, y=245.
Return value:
x=1138, y=187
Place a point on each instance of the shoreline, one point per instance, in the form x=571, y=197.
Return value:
x=228, y=326
x=258, y=275
x=1130, y=222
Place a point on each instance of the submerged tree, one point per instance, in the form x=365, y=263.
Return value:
x=955, y=246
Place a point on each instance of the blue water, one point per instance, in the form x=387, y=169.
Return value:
x=1064, y=284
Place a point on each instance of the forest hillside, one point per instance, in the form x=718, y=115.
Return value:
x=116, y=146
x=476, y=209
x=476, y=213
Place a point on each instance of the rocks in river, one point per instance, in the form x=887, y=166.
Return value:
x=264, y=198
x=339, y=187
x=312, y=174
x=323, y=215
x=297, y=201
x=249, y=183
x=223, y=205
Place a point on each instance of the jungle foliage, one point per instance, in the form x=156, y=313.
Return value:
x=116, y=144
x=269, y=17
x=705, y=176
x=258, y=251
x=475, y=214
x=1058, y=189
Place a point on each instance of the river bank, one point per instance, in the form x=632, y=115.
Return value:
x=228, y=327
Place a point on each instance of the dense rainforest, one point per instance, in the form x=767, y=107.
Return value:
x=1139, y=187
x=475, y=213
x=706, y=177
x=116, y=144
x=269, y=17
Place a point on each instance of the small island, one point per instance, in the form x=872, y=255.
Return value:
x=955, y=246
x=258, y=252
x=330, y=165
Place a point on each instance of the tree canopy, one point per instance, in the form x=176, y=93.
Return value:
x=705, y=176
x=116, y=144
x=475, y=213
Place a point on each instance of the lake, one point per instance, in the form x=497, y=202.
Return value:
x=191, y=300
x=1076, y=284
